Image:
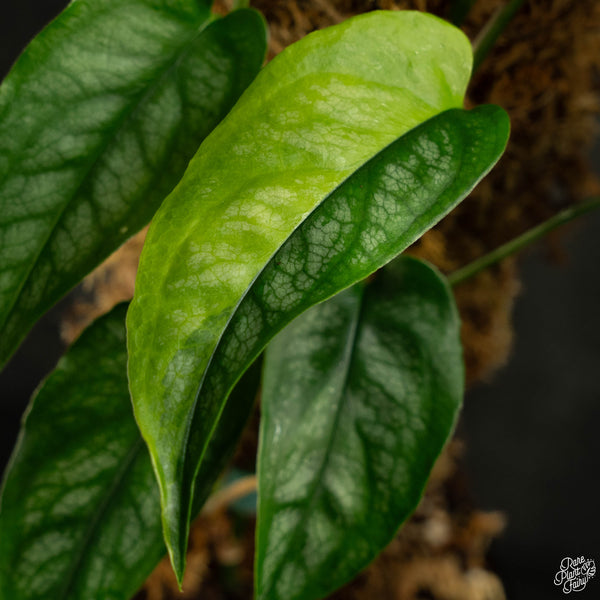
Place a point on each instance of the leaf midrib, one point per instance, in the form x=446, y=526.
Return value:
x=222, y=335
x=119, y=126
x=351, y=170
x=348, y=359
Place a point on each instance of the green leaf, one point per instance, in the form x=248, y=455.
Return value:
x=229, y=260
x=80, y=511
x=359, y=396
x=98, y=120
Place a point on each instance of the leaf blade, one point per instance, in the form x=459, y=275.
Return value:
x=264, y=314
x=79, y=509
x=360, y=394
x=96, y=131
x=194, y=292
x=81, y=405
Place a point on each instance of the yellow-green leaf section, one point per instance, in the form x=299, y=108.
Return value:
x=312, y=117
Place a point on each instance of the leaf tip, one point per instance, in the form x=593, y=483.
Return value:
x=497, y=114
x=177, y=558
x=175, y=534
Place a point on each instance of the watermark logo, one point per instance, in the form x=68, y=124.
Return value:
x=574, y=573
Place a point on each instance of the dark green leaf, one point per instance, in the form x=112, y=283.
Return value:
x=231, y=259
x=359, y=396
x=80, y=511
x=98, y=119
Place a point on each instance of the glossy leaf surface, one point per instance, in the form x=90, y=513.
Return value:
x=377, y=213
x=98, y=120
x=231, y=259
x=359, y=396
x=80, y=511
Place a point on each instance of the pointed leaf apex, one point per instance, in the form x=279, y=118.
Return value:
x=177, y=559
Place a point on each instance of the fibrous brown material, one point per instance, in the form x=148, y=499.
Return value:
x=545, y=71
x=112, y=282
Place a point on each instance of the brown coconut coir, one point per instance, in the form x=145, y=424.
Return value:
x=545, y=71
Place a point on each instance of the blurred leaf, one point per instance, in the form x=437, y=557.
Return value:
x=359, y=396
x=98, y=120
x=80, y=511
x=286, y=203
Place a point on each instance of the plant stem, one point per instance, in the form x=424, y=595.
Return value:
x=487, y=37
x=229, y=494
x=520, y=242
x=240, y=4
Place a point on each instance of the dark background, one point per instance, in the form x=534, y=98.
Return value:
x=532, y=438
x=532, y=432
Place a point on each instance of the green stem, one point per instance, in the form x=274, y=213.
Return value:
x=487, y=37
x=520, y=242
x=237, y=4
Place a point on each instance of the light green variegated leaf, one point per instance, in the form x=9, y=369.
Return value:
x=98, y=120
x=359, y=396
x=305, y=188
x=80, y=511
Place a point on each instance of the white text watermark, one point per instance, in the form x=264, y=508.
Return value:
x=574, y=573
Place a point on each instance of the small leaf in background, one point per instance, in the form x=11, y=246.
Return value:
x=98, y=120
x=359, y=396
x=80, y=511
x=312, y=117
